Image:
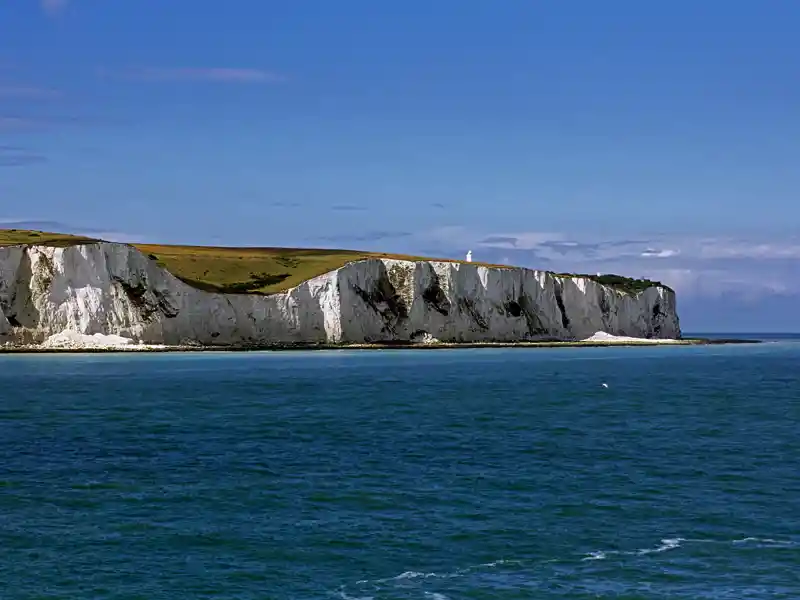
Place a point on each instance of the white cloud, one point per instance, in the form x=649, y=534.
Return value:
x=659, y=253
x=728, y=248
x=700, y=265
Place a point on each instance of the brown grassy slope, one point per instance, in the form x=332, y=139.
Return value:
x=13, y=237
x=229, y=270
x=253, y=270
x=260, y=270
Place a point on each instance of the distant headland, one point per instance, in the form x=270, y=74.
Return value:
x=65, y=292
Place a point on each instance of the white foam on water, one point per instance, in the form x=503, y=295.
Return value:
x=416, y=575
x=768, y=542
x=674, y=543
x=500, y=562
x=666, y=544
x=344, y=596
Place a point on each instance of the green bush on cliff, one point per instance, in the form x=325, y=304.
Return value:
x=618, y=282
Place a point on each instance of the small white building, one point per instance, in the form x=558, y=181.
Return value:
x=469, y=256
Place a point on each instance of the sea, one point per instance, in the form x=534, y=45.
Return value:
x=514, y=473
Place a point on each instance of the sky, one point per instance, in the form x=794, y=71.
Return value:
x=654, y=140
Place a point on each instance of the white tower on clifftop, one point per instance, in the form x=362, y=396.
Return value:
x=469, y=256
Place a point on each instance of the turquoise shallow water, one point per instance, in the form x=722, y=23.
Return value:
x=460, y=474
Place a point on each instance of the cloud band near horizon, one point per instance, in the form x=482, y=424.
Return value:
x=193, y=74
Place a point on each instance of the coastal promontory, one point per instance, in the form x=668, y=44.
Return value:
x=52, y=285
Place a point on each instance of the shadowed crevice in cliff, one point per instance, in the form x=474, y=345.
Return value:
x=21, y=311
x=559, y=293
x=605, y=307
x=467, y=307
x=137, y=294
x=528, y=310
x=434, y=296
x=658, y=319
x=384, y=299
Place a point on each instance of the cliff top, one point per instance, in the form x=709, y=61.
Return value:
x=261, y=270
x=13, y=237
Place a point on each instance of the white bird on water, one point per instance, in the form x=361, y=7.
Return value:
x=605, y=385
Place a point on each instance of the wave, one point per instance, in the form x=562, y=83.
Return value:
x=421, y=579
x=768, y=542
x=674, y=543
x=666, y=544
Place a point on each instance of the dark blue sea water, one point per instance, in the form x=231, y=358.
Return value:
x=463, y=474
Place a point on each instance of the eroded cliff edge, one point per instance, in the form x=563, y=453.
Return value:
x=114, y=289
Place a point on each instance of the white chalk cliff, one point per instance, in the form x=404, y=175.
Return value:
x=113, y=289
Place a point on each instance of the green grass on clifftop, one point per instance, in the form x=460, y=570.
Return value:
x=14, y=237
x=618, y=282
x=259, y=270
x=256, y=270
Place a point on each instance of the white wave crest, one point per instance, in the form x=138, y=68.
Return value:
x=415, y=575
x=676, y=542
x=666, y=544
x=768, y=542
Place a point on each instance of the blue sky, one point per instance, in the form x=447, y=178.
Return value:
x=650, y=139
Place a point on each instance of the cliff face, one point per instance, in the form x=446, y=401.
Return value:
x=110, y=288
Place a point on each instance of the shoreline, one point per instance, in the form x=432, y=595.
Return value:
x=136, y=349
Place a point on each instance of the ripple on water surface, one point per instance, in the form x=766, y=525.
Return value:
x=400, y=474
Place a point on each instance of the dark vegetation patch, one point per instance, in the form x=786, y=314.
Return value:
x=628, y=285
x=256, y=282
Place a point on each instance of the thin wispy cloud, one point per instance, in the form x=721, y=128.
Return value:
x=14, y=156
x=53, y=8
x=14, y=123
x=22, y=122
x=653, y=253
x=348, y=207
x=194, y=74
x=28, y=92
x=366, y=236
